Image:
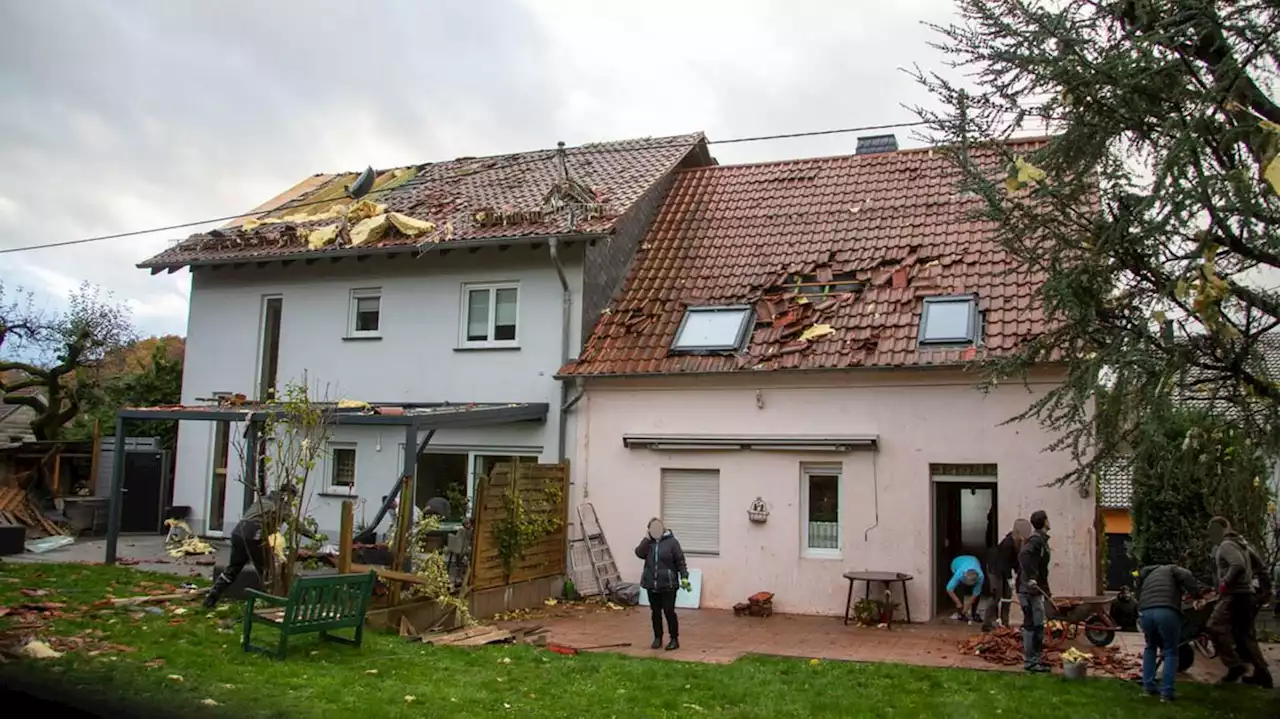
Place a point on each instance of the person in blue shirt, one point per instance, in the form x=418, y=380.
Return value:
x=965, y=587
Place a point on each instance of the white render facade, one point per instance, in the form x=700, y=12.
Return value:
x=419, y=353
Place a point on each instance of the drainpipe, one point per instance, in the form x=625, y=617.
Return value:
x=567, y=316
x=565, y=326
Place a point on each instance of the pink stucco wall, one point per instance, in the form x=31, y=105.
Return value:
x=921, y=417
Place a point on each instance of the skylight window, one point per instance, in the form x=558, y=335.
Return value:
x=712, y=329
x=949, y=320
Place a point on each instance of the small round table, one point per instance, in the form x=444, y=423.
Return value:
x=885, y=578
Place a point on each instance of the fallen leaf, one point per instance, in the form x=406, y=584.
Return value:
x=550, y=601
x=409, y=698
x=371, y=671
x=505, y=660
x=34, y=592
x=154, y=664
x=176, y=677
x=209, y=702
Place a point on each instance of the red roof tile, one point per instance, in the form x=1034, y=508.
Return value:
x=731, y=235
x=451, y=194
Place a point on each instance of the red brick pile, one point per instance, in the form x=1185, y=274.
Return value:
x=1004, y=646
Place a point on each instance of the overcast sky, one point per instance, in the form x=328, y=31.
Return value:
x=130, y=114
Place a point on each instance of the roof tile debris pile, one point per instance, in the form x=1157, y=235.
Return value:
x=834, y=256
x=1003, y=646
x=518, y=195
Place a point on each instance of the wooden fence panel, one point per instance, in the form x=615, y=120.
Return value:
x=546, y=556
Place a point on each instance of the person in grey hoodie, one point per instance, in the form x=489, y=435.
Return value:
x=1232, y=621
x=1161, y=588
x=665, y=573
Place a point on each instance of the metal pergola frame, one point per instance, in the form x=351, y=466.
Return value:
x=414, y=417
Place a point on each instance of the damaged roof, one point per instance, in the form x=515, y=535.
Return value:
x=521, y=195
x=873, y=234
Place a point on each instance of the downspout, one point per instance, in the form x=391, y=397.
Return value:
x=562, y=418
x=566, y=318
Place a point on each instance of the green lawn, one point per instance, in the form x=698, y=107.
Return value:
x=187, y=662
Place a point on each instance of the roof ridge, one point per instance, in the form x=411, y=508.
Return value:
x=852, y=155
x=692, y=137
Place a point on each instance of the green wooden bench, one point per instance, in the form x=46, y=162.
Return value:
x=318, y=604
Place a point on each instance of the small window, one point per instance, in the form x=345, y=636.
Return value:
x=949, y=320
x=820, y=507
x=712, y=329
x=691, y=508
x=490, y=314
x=365, y=318
x=342, y=467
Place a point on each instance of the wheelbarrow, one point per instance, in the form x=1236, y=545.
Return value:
x=1195, y=636
x=1066, y=617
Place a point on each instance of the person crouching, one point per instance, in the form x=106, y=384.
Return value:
x=250, y=537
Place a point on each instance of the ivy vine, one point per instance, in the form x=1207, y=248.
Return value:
x=528, y=516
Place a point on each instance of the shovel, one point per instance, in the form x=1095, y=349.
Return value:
x=574, y=651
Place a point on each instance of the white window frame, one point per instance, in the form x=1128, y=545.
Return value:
x=353, y=303
x=692, y=549
x=332, y=488
x=809, y=470
x=464, y=316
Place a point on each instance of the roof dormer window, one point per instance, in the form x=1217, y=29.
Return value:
x=950, y=321
x=712, y=329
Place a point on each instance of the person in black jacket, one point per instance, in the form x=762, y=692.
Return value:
x=1161, y=588
x=665, y=573
x=249, y=538
x=1033, y=587
x=1001, y=564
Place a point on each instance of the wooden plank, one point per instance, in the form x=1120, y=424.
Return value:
x=93, y=457
x=345, y=537
x=402, y=534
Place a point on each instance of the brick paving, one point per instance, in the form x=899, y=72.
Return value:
x=716, y=636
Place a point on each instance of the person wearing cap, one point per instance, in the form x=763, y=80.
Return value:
x=1033, y=587
x=965, y=587
x=250, y=537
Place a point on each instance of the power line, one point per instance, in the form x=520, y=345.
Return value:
x=578, y=150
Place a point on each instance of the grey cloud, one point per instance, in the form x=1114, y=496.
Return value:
x=121, y=115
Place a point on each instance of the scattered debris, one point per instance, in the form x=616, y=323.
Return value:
x=574, y=651
x=17, y=507
x=39, y=650
x=480, y=635
x=209, y=702
x=1004, y=646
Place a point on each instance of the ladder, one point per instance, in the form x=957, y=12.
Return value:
x=601, y=557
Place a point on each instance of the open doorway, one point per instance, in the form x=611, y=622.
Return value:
x=965, y=516
x=454, y=476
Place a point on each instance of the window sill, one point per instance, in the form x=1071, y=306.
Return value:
x=338, y=494
x=361, y=338
x=822, y=556
x=485, y=348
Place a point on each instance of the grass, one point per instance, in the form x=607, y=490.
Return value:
x=326, y=680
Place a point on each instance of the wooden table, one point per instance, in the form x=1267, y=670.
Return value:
x=885, y=578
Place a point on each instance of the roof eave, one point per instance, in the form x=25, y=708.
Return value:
x=420, y=249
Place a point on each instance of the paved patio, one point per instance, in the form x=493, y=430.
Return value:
x=716, y=636
x=144, y=552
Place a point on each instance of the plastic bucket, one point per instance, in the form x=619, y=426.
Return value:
x=1074, y=670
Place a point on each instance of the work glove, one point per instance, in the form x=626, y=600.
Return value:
x=685, y=585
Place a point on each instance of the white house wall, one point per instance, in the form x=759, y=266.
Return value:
x=416, y=360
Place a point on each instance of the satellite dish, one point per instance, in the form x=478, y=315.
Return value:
x=362, y=185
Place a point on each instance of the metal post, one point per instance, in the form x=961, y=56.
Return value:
x=250, y=462
x=410, y=463
x=117, y=493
